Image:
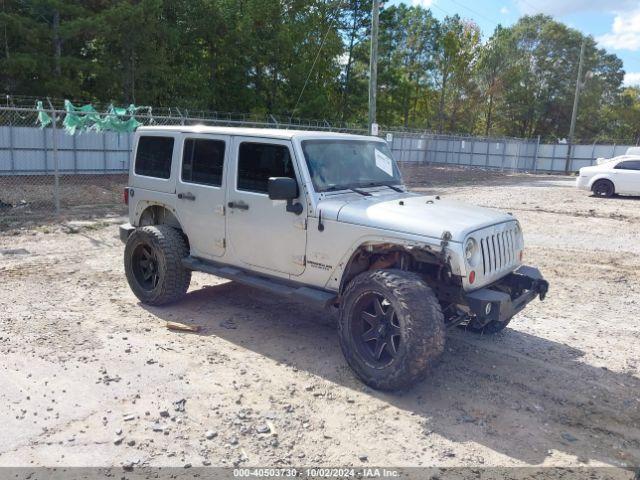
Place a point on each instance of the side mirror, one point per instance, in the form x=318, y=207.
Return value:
x=282, y=188
x=285, y=188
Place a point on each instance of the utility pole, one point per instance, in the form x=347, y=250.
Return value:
x=574, y=112
x=373, y=67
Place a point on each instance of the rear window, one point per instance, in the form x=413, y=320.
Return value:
x=153, y=157
x=202, y=161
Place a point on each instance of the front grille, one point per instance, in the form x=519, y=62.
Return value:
x=499, y=250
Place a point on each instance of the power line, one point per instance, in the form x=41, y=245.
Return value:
x=440, y=8
x=476, y=12
x=535, y=9
x=314, y=63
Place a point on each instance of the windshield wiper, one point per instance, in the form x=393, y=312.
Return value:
x=335, y=188
x=361, y=192
x=382, y=184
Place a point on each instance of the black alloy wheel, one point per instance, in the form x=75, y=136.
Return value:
x=603, y=188
x=375, y=330
x=145, y=267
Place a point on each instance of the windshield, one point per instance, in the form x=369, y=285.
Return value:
x=343, y=164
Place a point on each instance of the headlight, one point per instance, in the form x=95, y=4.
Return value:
x=470, y=250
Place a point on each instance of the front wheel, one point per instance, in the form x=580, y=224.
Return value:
x=391, y=328
x=603, y=188
x=153, y=264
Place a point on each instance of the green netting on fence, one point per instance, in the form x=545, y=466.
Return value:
x=87, y=118
x=44, y=119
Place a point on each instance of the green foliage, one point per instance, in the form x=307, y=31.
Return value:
x=310, y=58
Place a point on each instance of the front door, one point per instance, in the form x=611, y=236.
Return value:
x=200, y=192
x=260, y=232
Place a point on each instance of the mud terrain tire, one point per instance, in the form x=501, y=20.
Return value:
x=153, y=264
x=404, y=314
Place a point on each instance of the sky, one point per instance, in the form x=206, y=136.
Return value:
x=615, y=24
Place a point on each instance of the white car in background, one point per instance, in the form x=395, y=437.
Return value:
x=618, y=175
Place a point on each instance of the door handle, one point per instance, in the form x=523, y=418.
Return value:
x=238, y=205
x=186, y=196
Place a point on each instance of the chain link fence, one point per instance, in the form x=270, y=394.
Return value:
x=46, y=173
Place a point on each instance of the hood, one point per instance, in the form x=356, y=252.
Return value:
x=413, y=214
x=592, y=169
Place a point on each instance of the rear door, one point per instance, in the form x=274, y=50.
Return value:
x=200, y=192
x=261, y=233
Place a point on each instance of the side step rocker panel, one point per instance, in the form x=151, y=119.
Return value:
x=319, y=297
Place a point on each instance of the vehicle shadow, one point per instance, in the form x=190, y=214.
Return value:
x=618, y=197
x=518, y=394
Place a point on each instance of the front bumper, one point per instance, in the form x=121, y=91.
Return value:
x=125, y=230
x=503, y=299
x=582, y=182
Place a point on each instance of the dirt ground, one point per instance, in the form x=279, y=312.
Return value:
x=27, y=200
x=90, y=377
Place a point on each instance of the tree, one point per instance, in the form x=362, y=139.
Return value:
x=310, y=58
x=406, y=65
x=494, y=66
x=623, y=117
x=538, y=93
x=355, y=23
x=457, y=44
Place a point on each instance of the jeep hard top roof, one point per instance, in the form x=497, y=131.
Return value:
x=254, y=132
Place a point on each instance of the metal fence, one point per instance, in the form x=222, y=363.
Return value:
x=505, y=154
x=45, y=171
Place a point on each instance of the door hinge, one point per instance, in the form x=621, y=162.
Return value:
x=220, y=210
x=301, y=224
x=300, y=260
x=221, y=242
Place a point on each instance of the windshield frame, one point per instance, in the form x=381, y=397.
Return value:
x=395, y=181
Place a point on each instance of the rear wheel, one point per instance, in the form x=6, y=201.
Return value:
x=604, y=188
x=153, y=264
x=391, y=328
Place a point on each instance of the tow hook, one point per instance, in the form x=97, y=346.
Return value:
x=542, y=287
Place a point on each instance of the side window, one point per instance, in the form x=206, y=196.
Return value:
x=259, y=161
x=153, y=157
x=202, y=161
x=628, y=165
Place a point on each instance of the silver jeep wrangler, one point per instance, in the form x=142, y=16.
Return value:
x=323, y=218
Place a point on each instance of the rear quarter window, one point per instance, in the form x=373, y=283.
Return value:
x=153, y=157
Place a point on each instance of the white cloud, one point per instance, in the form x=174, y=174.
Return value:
x=632, y=78
x=564, y=7
x=625, y=32
x=422, y=3
x=504, y=10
